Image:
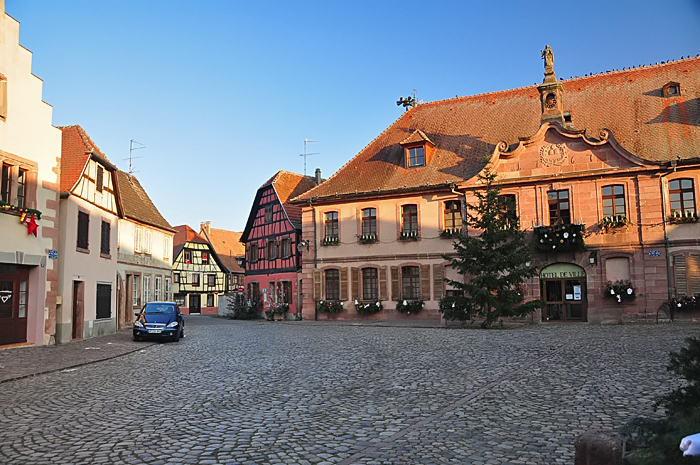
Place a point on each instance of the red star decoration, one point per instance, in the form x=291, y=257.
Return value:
x=32, y=227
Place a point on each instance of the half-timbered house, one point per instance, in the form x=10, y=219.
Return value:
x=272, y=238
x=611, y=158
x=30, y=153
x=90, y=209
x=198, y=274
x=231, y=252
x=145, y=250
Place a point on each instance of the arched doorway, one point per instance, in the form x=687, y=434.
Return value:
x=563, y=287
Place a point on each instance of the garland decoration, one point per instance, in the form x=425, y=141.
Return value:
x=410, y=306
x=8, y=206
x=368, y=309
x=559, y=238
x=329, y=306
x=622, y=291
x=685, y=302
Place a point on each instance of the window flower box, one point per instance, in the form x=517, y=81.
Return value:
x=409, y=236
x=685, y=302
x=4, y=206
x=559, y=238
x=449, y=233
x=410, y=306
x=678, y=217
x=368, y=308
x=613, y=222
x=368, y=238
x=330, y=240
x=328, y=306
x=622, y=291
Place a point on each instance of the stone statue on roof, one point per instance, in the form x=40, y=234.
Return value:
x=548, y=57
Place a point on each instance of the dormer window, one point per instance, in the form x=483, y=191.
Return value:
x=416, y=157
x=418, y=149
x=672, y=89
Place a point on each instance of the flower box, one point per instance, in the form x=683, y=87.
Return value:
x=614, y=222
x=622, y=291
x=678, y=217
x=449, y=233
x=368, y=239
x=330, y=240
x=410, y=306
x=328, y=306
x=559, y=238
x=368, y=308
x=409, y=236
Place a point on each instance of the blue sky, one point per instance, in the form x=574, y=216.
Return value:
x=223, y=93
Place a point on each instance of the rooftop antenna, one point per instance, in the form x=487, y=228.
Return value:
x=131, y=149
x=305, y=154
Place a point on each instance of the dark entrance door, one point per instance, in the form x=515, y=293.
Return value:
x=78, y=309
x=195, y=304
x=565, y=299
x=13, y=304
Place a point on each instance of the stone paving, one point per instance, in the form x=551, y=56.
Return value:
x=304, y=393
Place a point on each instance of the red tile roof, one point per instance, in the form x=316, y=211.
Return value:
x=184, y=234
x=136, y=204
x=227, y=245
x=466, y=130
x=289, y=185
x=76, y=148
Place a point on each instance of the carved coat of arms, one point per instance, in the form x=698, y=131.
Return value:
x=553, y=154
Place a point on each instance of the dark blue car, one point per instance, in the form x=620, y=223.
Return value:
x=159, y=320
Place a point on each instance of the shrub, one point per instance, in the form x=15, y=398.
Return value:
x=328, y=306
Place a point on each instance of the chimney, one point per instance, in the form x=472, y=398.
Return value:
x=318, y=176
x=206, y=226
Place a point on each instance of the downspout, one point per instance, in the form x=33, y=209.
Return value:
x=313, y=216
x=666, y=245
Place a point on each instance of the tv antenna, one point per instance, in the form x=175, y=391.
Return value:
x=305, y=154
x=131, y=157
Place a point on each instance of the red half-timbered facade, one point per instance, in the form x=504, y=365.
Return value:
x=272, y=241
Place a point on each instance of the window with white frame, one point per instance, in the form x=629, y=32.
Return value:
x=168, y=289
x=157, y=288
x=137, y=291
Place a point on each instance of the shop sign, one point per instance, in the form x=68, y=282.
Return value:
x=562, y=271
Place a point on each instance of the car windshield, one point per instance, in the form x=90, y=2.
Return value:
x=168, y=309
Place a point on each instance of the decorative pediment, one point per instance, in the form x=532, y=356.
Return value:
x=416, y=137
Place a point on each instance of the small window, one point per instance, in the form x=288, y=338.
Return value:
x=211, y=280
x=195, y=279
x=369, y=222
x=168, y=289
x=410, y=278
x=99, y=179
x=559, y=207
x=106, y=232
x=136, y=295
x=83, y=229
x=253, y=253
x=409, y=218
x=5, y=187
x=416, y=157
x=331, y=224
x=268, y=214
x=682, y=194
x=508, y=207
x=453, y=215
x=21, y=188
x=286, y=248
x=286, y=292
x=332, y=285
x=672, y=89
x=176, y=278
x=613, y=201
x=370, y=284
x=271, y=250
x=205, y=258
x=188, y=257
x=146, y=289
x=157, y=288
x=104, y=301
x=210, y=300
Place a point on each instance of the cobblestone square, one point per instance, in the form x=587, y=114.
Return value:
x=305, y=393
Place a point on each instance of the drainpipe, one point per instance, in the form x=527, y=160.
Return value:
x=313, y=216
x=666, y=245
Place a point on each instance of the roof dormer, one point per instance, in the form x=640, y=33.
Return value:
x=418, y=149
x=672, y=89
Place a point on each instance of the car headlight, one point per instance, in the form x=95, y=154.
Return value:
x=172, y=325
x=138, y=324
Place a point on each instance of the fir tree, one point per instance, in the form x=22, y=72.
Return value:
x=495, y=262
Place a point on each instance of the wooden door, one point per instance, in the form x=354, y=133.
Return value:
x=195, y=304
x=13, y=305
x=78, y=309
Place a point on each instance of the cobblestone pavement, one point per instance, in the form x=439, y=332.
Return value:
x=301, y=393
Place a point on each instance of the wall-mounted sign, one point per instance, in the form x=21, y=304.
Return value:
x=654, y=253
x=562, y=271
x=53, y=254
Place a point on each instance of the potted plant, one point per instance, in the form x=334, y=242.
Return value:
x=622, y=291
x=614, y=222
x=368, y=308
x=410, y=306
x=329, y=306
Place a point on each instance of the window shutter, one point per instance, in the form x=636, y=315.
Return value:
x=344, y=284
x=137, y=240
x=355, y=276
x=30, y=189
x=147, y=242
x=425, y=282
x=317, y=284
x=395, y=283
x=382, y=283
x=693, y=264
x=681, y=275
x=437, y=281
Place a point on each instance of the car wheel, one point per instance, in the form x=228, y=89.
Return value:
x=176, y=336
x=136, y=338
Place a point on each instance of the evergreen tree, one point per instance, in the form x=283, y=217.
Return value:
x=494, y=262
x=244, y=307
